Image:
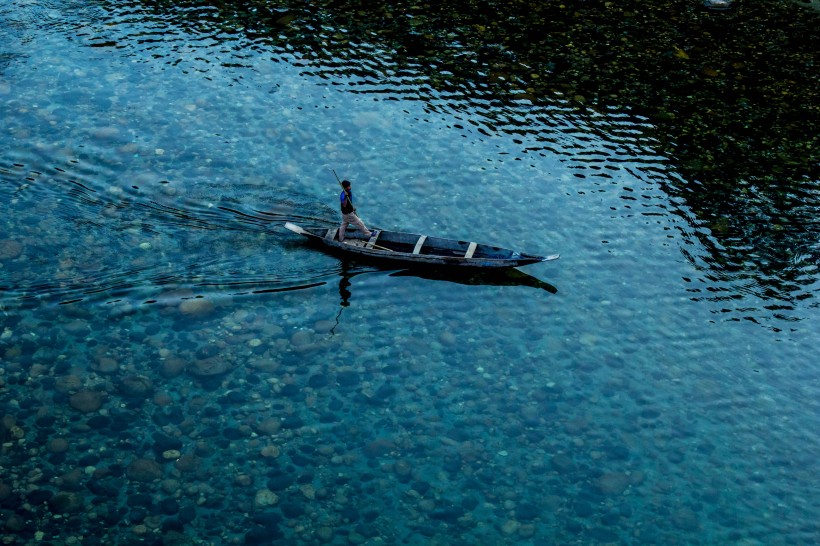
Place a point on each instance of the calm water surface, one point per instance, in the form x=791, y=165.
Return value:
x=179, y=369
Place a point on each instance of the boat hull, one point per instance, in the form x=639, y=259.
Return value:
x=410, y=249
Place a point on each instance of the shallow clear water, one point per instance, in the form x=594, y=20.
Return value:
x=178, y=367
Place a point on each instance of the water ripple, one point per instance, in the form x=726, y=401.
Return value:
x=114, y=242
x=548, y=103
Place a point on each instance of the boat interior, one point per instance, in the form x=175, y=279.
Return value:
x=411, y=243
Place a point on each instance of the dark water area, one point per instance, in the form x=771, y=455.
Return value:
x=177, y=368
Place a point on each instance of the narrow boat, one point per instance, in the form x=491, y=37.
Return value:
x=412, y=249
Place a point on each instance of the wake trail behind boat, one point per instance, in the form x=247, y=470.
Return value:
x=133, y=243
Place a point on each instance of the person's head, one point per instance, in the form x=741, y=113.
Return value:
x=346, y=184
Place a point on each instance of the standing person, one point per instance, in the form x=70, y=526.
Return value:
x=349, y=212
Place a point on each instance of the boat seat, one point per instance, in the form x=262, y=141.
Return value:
x=331, y=233
x=471, y=250
x=419, y=244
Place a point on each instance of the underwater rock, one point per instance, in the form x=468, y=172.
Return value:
x=187, y=514
x=14, y=523
x=65, y=503
x=78, y=327
x=196, y=307
x=348, y=378
x=599, y=535
x=105, y=132
x=267, y=365
x=448, y=513
x=292, y=510
x=612, y=483
x=162, y=399
x=317, y=381
x=447, y=338
x=616, y=452
x=68, y=383
x=510, y=527
x=10, y=249
x=265, y=498
x=172, y=367
x=293, y=422
x=324, y=534
x=378, y=448
x=233, y=433
x=188, y=463
x=209, y=367
x=452, y=463
x=5, y=491
x=140, y=500
x=136, y=386
x=99, y=422
x=103, y=488
x=526, y=530
x=9, y=429
x=268, y=426
x=562, y=463
x=403, y=468
x=107, y=365
x=718, y=4
x=71, y=480
x=169, y=507
x=144, y=470
x=39, y=496
x=176, y=536
x=57, y=445
x=164, y=443
x=685, y=519
x=170, y=486
x=262, y=535
x=290, y=390
x=527, y=511
x=280, y=481
x=301, y=339
x=86, y=401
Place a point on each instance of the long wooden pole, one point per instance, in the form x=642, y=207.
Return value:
x=340, y=183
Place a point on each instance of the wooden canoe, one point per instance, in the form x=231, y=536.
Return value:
x=412, y=249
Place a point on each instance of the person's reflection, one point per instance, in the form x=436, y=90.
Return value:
x=344, y=282
x=344, y=293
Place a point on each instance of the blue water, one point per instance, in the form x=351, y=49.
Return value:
x=178, y=368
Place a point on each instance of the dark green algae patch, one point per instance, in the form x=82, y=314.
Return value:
x=734, y=93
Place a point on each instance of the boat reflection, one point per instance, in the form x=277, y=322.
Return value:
x=504, y=277
x=495, y=277
x=490, y=277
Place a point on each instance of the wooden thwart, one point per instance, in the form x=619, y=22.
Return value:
x=419, y=244
x=372, y=241
x=471, y=250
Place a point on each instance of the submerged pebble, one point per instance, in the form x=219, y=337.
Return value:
x=144, y=470
x=196, y=307
x=10, y=249
x=86, y=401
x=265, y=498
x=57, y=445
